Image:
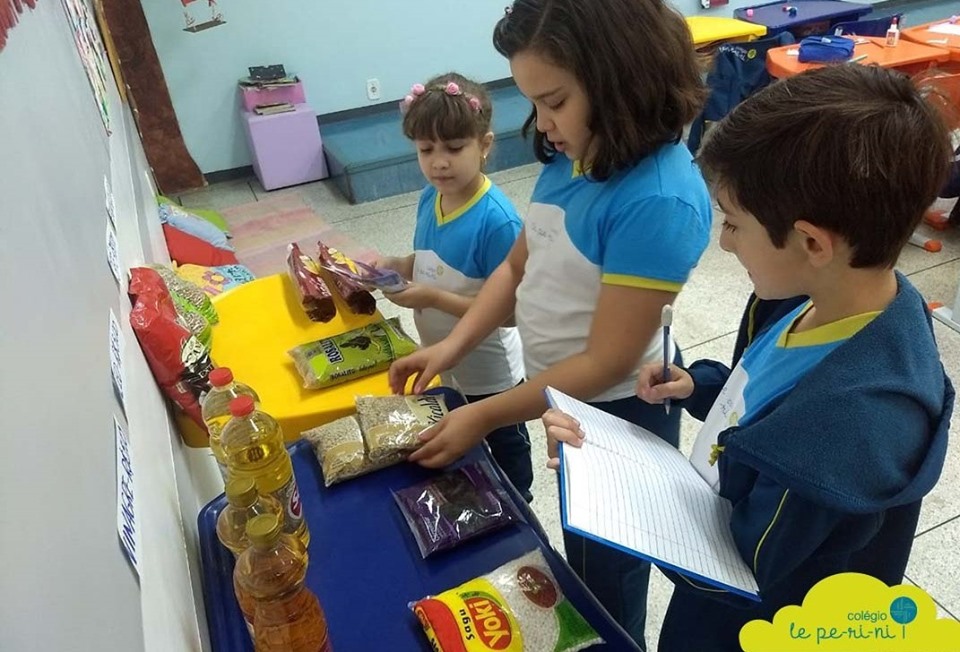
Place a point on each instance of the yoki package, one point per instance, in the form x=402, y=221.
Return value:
x=343, y=271
x=391, y=425
x=454, y=507
x=354, y=354
x=315, y=297
x=517, y=608
x=179, y=361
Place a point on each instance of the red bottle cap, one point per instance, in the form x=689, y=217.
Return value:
x=241, y=406
x=221, y=377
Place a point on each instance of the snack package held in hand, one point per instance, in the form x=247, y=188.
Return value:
x=517, y=608
x=315, y=297
x=179, y=361
x=454, y=507
x=342, y=270
x=357, y=271
x=354, y=354
x=188, y=293
x=391, y=425
x=340, y=450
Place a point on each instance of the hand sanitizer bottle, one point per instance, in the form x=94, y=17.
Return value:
x=893, y=34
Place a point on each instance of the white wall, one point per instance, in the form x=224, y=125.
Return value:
x=66, y=583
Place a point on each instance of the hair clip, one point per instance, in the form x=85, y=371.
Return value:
x=507, y=10
x=451, y=88
x=415, y=91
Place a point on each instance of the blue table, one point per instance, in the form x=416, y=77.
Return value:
x=812, y=16
x=365, y=566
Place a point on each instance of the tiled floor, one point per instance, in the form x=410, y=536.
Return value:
x=707, y=314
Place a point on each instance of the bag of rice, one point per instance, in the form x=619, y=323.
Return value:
x=340, y=451
x=518, y=608
x=351, y=355
x=392, y=424
x=455, y=507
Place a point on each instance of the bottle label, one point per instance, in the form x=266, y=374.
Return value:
x=289, y=496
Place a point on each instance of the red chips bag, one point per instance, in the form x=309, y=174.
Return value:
x=179, y=362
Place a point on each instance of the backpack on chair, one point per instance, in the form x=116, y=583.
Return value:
x=739, y=70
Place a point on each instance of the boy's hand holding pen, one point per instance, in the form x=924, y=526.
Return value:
x=659, y=383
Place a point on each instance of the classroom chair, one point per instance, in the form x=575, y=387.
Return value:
x=871, y=27
x=947, y=88
x=739, y=70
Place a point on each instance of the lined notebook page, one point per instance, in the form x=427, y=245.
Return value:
x=629, y=488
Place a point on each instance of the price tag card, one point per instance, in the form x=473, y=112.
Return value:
x=128, y=525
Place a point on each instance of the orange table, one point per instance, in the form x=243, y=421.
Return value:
x=907, y=56
x=922, y=34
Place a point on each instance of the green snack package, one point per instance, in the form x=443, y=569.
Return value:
x=351, y=355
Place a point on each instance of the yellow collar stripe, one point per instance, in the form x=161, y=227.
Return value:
x=477, y=196
x=837, y=331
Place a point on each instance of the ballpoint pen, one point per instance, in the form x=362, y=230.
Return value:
x=666, y=319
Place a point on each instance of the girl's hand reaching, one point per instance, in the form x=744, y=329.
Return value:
x=652, y=389
x=563, y=428
x=452, y=437
x=425, y=363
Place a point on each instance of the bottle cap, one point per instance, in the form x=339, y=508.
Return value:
x=220, y=377
x=241, y=492
x=241, y=406
x=264, y=530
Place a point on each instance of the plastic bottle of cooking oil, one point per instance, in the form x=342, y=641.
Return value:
x=254, y=448
x=287, y=615
x=215, y=409
x=243, y=503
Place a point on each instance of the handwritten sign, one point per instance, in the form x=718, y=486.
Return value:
x=116, y=357
x=109, y=202
x=128, y=525
x=113, y=252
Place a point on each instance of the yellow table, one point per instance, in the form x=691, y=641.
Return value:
x=708, y=30
x=259, y=322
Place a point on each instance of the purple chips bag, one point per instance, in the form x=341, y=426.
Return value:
x=455, y=507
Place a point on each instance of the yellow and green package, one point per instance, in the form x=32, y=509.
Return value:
x=517, y=608
x=351, y=355
x=184, y=292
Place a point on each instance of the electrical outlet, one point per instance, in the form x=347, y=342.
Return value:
x=373, y=89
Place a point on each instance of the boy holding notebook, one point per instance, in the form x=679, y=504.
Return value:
x=833, y=425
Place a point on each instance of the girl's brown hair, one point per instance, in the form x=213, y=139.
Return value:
x=635, y=60
x=436, y=114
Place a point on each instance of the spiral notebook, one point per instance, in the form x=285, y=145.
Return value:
x=629, y=489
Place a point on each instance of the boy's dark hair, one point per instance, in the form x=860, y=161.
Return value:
x=857, y=150
x=635, y=60
x=438, y=115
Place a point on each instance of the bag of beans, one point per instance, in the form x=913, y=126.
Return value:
x=519, y=607
x=454, y=507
